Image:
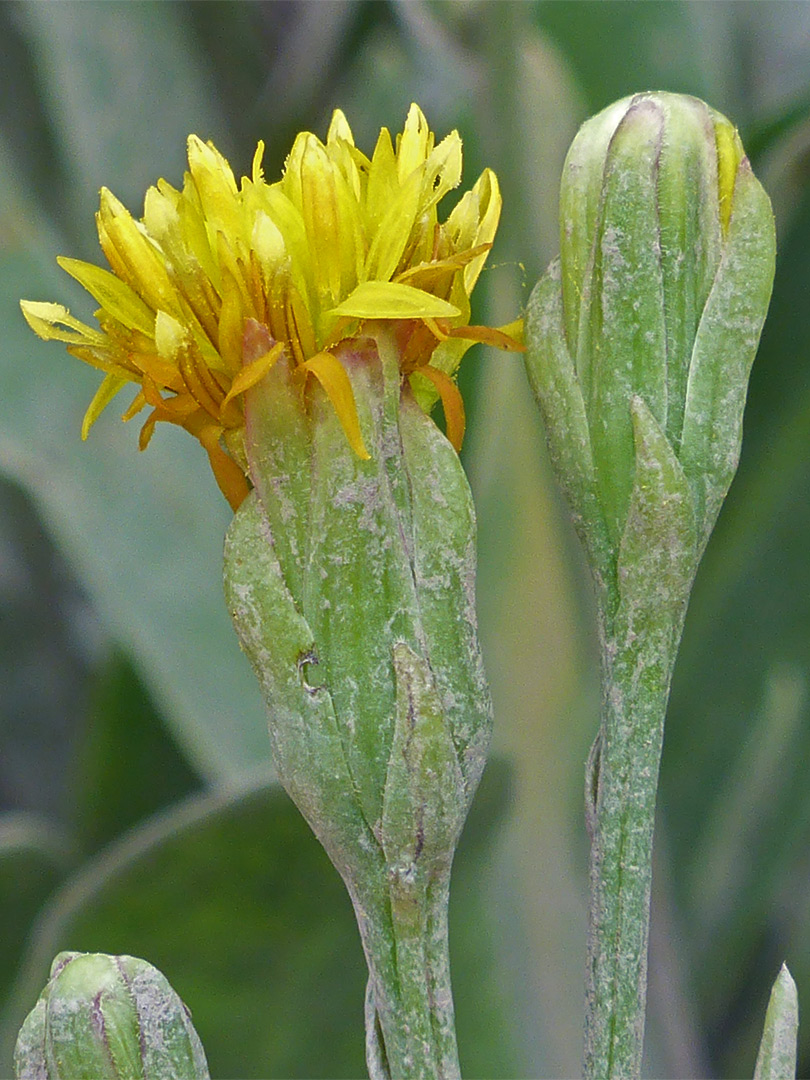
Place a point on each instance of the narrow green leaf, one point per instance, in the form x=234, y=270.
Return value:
x=308, y=749
x=278, y=451
x=557, y=390
x=580, y=196
x=444, y=566
x=724, y=349
x=658, y=552
x=747, y=810
x=776, y=1059
x=621, y=348
x=359, y=594
x=424, y=805
x=690, y=238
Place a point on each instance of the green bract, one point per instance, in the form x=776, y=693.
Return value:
x=351, y=586
x=108, y=1018
x=641, y=336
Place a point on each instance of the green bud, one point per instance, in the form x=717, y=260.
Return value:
x=108, y=1018
x=658, y=297
x=640, y=339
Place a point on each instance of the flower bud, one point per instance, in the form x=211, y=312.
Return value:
x=108, y=1018
x=642, y=335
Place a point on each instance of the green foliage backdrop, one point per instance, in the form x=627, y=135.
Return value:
x=137, y=807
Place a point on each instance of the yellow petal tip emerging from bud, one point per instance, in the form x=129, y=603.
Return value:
x=729, y=155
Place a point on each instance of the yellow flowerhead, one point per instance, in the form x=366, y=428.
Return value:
x=340, y=240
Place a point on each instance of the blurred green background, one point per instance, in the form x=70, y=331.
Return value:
x=137, y=808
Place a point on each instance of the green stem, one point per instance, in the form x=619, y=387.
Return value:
x=410, y=1027
x=620, y=799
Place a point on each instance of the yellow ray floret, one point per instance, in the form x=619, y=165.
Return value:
x=341, y=240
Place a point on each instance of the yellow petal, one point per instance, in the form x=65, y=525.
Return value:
x=231, y=325
x=170, y=336
x=268, y=243
x=194, y=233
x=133, y=257
x=45, y=320
x=164, y=373
x=332, y=376
x=252, y=373
x=434, y=276
x=474, y=221
x=389, y=300
x=118, y=299
x=442, y=171
x=515, y=329
x=394, y=229
x=290, y=182
x=161, y=217
x=729, y=154
x=352, y=165
x=288, y=219
x=452, y=403
x=509, y=338
x=490, y=203
x=382, y=181
x=228, y=475
x=300, y=333
x=233, y=267
x=326, y=209
x=166, y=218
x=138, y=402
x=339, y=129
x=438, y=332
x=414, y=144
x=110, y=385
x=216, y=187
x=147, y=430
x=257, y=172
x=200, y=382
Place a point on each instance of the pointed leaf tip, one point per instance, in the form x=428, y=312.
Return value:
x=776, y=1059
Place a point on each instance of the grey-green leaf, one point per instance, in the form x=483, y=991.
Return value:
x=425, y=802
x=658, y=552
x=724, y=349
x=621, y=348
x=308, y=750
x=776, y=1059
x=444, y=568
x=580, y=196
x=554, y=381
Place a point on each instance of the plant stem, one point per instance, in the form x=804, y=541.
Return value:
x=621, y=789
x=410, y=1026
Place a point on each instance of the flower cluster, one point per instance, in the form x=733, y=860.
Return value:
x=340, y=240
